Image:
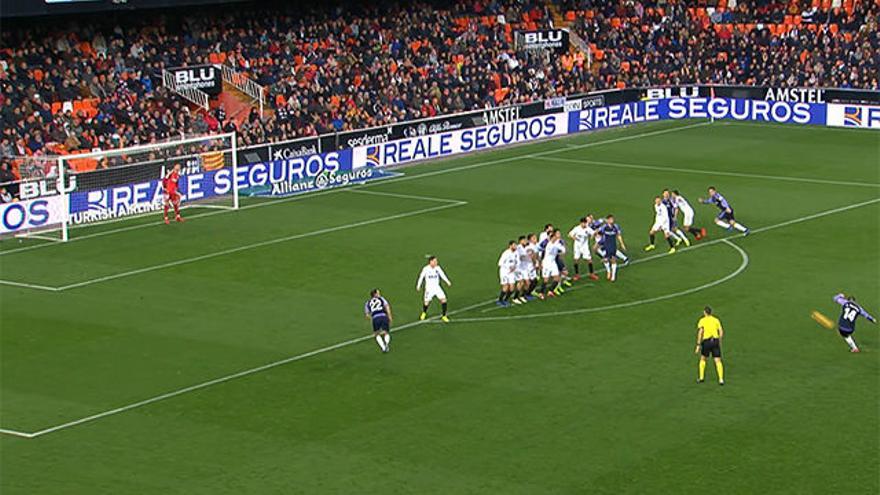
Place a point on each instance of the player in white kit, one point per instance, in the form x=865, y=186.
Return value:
x=534, y=264
x=431, y=275
x=549, y=267
x=523, y=261
x=581, y=234
x=507, y=264
x=661, y=224
x=687, y=213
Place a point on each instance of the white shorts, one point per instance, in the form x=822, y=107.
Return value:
x=431, y=293
x=550, y=270
x=507, y=277
x=688, y=217
x=661, y=226
x=522, y=274
x=532, y=273
x=582, y=251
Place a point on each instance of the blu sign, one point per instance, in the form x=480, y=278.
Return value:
x=459, y=141
x=31, y=214
x=854, y=116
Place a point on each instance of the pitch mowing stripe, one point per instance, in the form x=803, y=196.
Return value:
x=347, y=343
x=256, y=245
x=227, y=378
x=711, y=172
x=743, y=265
x=372, y=184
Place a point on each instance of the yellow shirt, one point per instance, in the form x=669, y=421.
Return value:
x=711, y=327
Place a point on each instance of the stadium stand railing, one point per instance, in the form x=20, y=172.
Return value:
x=195, y=96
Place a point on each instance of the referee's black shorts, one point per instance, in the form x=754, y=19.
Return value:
x=711, y=347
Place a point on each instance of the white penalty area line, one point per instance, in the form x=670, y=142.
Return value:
x=6, y=431
x=248, y=247
x=661, y=168
x=347, y=343
x=25, y=285
x=361, y=187
x=447, y=203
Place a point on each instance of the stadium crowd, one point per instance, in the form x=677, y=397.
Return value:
x=97, y=83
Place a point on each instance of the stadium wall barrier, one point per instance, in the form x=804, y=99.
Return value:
x=861, y=116
x=477, y=118
x=271, y=178
x=451, y=143
x=694, y=108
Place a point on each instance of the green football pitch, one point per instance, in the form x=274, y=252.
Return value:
x=230, y=354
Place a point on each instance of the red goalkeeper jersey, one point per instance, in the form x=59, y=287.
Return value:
x=170, y=182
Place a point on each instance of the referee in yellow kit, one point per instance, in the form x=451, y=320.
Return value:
x=709, y=334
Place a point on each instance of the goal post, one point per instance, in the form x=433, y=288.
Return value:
x=89, y=189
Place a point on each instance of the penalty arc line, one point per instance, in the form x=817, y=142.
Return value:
x=743, y=265
x=281, y=201
x=402, y=327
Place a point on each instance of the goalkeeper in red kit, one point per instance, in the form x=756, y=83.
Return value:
x=172, y=192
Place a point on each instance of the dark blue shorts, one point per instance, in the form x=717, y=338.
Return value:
x=726, y=216
x=845, y=332
x=610, y=249
x=381, y=324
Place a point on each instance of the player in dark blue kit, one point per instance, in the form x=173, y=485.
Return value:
x=725, y=217
x=596, y=225
x=378, y=310
x=849, y=313
x=611, y=235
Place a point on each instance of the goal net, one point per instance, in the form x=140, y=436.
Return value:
x=57, y=194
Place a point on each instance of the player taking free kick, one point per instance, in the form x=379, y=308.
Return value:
x=431, y=275
x=849, y=313
x=170, y=184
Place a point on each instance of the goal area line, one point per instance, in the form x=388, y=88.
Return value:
x=445, y=203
